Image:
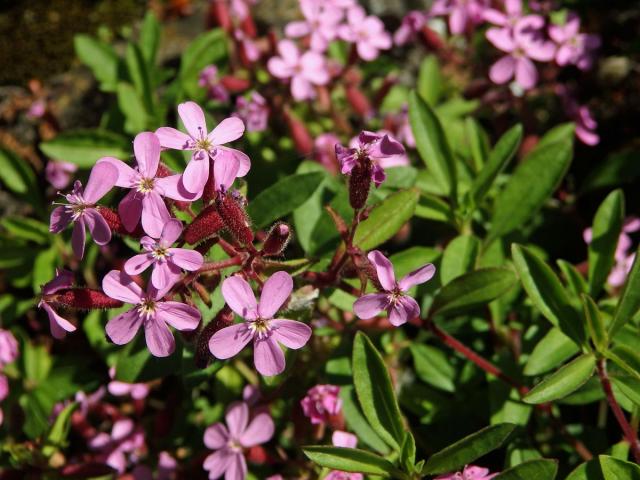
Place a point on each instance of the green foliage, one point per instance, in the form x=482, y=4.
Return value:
x=351, y=460
x=564, y=381
x=85, y=147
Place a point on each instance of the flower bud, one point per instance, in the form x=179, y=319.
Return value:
x=235, y=84
x=301, y=136
x=219, y=15
x=224, y=318
x=84, y=299
x=277, y=240
x=115, y=223
x=235, y=218
x=358, y=101
x=360, y=184
x=205, y=225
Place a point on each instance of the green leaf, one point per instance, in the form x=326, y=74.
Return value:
x=283, y=197
x=478, y=143
x=27, y=229
x=564, y=381
x=16, y=174
x=552, y=350
x=432, y=144
x=139, y=74
x=433, y=367
x=459, y=257
x=44, y=267
x=386, y=219
x=629, y=302
x=547, y=293
x=351, y=460
x=132, y=108
x=100, y=58
x=208, y=48
x=150, y=37
x=408, y=452
x=357, y=423
x=85, y=147
x=375, y=392
x=587, y=471
x=616, y=469
x=499, y=158
x=614, y=170
x=563, y=132
x=595, y=324
x=532, y=183
x=60, y=429
x=472, y=290
x=433, y=208
x=573, y=278
x=607, y=225
x=430, y=82
x=540, y=469
x=468, y=449
x=626, y=358
x=135, y=363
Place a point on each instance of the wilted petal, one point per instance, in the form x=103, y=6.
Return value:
x=384, y=269
x=259, y=431
x=240, y=298
x=290, y=333
x=275, y=292
x=227, y=342
x=268, y=357
x=122, y=328
x=368, y=306
x=59, y=326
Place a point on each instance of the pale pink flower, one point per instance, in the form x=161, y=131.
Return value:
x=393, y=298
x=229, y=441
x=58, y=325
x=59, y=174
x=206, y=147
x=253, y=111
x=366, y=32
x=241, y=8
x=508, y=19
x=144, y=202
x=321, y=403
x=209, y=79
x=4, y=392
x=325, y=151
x=321, y=23
x=260, y=326
x=249, y=47
x=470, y=472
x=462, y=13
x=411, y=25
x=344, y=440
x=82, y=211
x=586, y=124
x=125, y=443
x=304, y=70
x=165, y=259
x=574, y=48
x=149, y=311
x=167, y=465
x=37, y=109
x=137, y=391
x=8, y=347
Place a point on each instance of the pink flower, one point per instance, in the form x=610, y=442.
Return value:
x=304, y=70
x=400, y=307
x=205, y=146
x=209, y=79
x=344, y=440
x=166, y=261
x=321, y=23
x=230, y=440
x=58, y=325
x=462, y=13
x=249, y=47
x=82, y=211
x=167, y=465
x=241, y=8
x=254, y=112
x=8, y=347
x=124, y=443
x=367, y=32
x=4, y=392
x=470, y=472
x=138, y=391
x=59, y=174
x=574, y=48
x=321, y=403
x=260, y=326
x=371, y=147
x=37, y=109
x=144, y=202
x=586, y=125
x=507, y=19
x=325, y=151
x=389, y=161
x=149, y=311
x=411, y=24
x=524, y=44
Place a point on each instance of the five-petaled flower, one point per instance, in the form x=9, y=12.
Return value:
x=166, y=260
x=393, y=298
x=574, y=48
x=59, y=326
x=321, y=23
x=343, y=440
x=229, y=441
x=366, y=32
x=260, y=326
x=149, y=311
x=321, y=403
x=470, y=472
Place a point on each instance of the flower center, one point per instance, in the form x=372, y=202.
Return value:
x=146, y=185
x=160, y=252
x=77, y=209
x=204, y=144
x=260, y=328
x=235, y=445
x=147, y=308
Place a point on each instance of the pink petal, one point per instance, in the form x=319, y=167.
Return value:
x=279, y=68
x=301, y=89
x=268, y=357
x=541, y=51
x=384, y=269
x=126, y=174
x=344, y=439
x=514, y=7
x=171, y=232
x=60, y=218
x=259, y=431
x=78, y=238
x=290, y=333
x=289, y=52
x=225, y=171
x=179, y=315
x=356, y=15
x=98, y=226
x=368, y=306
x=501, y=38
x=146, y=148
x=226, y=131
x=494, y=16
x=122, y=328
x=159, y=339
x=526, y=73
x=228, y=342
x=502, y=71
x=130, y=210
x=103, y=178
x=564, y=55
x=237, y=418
x=240, y=298
x=243, y=158
x=275, y=292
x=120, y=286
x=196, y=174
x=189, y=260
x=367, y=51
x=173, y=187
x=458, y=20
x=421, y=275
x=164, y=276
x=405, y=309
x=218, y=462
x=237, y=469
x=216, y=436
x=193, y=118
x=297, y=29
x=172, y=138
x=154, y=214
x=59, y=326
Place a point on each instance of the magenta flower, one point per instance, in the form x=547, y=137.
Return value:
x=462, y=13
x=304, y=70
x=371, y=147
x=321, y=403
x=366, y=32
x=388, y=161
x=507, y=19
x=399, y=306
x=205, y=146
x=254, y=112
x=4, y=392
x=586, y=124
x=125, y=442
x=59, y=174
x=260, y=326
x=411, y=25
x=137, y=391
x=574, y=48
x=321, y=23
x=470, y=472
x=344, y=440
x=8, y=347
x=149, y=311
x=524, y=44
x=230, y=440
x=166, y=260
x=82, y=211
x=209, y=79
x=58, y=325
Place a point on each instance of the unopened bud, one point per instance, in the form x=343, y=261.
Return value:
x=163, y=171
x=115, y=223
x=363, y=264
x=277, y=240
x=203, y=356
x=301, y=136
x=358, y=101
x=205, y=225
x=235, y=84
x=219, y=15
x=84, y=299
x=431, y=39
x=234, y=218
x=360, y=184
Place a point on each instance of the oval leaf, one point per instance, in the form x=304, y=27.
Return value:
x=563, y=382
x=541, y=469
x=350, y=460
x=629, y=300
x=595, y=324
x=616, y=469
x=459, y=257
x=85, y=147
x=552, y=350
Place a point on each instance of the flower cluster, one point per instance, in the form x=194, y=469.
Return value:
x=8, y=354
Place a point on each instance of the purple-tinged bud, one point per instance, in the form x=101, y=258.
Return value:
x=203, y=356
x=205, y=225
x=83, y=299
x=235, y=218
x=360, y=184
x=277, y=240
